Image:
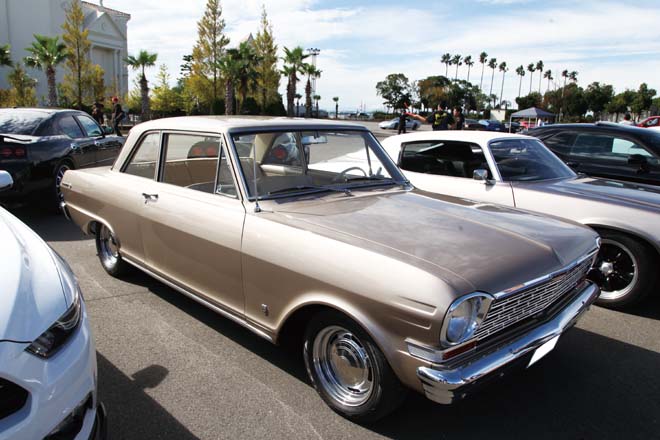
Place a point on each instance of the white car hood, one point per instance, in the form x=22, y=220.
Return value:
x=31, y=294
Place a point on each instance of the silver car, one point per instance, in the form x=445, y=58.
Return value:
x=520, y=171
x=393, y=124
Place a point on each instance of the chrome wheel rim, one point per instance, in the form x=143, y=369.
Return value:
x=344, y=368
x=618, y=270
x=58, y=180
x=108, y=248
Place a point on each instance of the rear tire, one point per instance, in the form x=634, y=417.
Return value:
x=107, y=248
x=348, y=370
x=625, y=270
x=56, y=192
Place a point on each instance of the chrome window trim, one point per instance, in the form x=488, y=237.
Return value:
x=134, y=149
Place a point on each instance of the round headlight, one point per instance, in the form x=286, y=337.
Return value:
x=464, y=317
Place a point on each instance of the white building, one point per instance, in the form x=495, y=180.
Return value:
x=21, y=19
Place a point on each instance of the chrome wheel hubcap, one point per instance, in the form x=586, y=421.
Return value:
x=58, y=181
x=618, y=268
x=108, y=247
x=343, y=366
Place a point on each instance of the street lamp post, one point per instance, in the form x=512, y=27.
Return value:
x=314, y=53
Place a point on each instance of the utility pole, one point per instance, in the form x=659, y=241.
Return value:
x=314, y=52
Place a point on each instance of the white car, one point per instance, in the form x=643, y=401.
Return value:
x=47, y=355
x=393, y=124
x=519, y=171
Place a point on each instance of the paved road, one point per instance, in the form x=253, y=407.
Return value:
x=168, y=368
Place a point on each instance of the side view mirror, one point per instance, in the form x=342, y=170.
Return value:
x=636, y=159
x=6, y=180
x=482, y=175
x=107, y=130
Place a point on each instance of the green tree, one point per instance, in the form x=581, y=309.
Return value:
x=22, y=87
x=230, y=68
x=268, y=77
x=621, y=103
x=247, y=58
x=294, y=61
x=534, y=99
x=468, y=62
x=140, y=62
x=531, y=68
x=547, y=75
x=483, y=57
x=433, y=90
x=78, y=64
x=575, y=105
x=493, y=65
x=395, y=90
x=520, y=71
x=598, y=97
x=539, y=67
x=5, y=56
x=312, y=72
x=165, y=100
x=336, y=100
x=94, y=84
x=457, y=60
x=46, y=53
x=643, y=99
x=446, y=60
x=206, y=54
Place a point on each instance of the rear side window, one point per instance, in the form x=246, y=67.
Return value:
x=91, y=127
x=191, y=161
x=68, y=126
x=455, y=159
x=145, y=157
x=561, y=142
x=607, y=147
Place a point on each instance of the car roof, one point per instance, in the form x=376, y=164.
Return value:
x=45, y=111
x=479, y=137
x=226, y=123
x=596, y=126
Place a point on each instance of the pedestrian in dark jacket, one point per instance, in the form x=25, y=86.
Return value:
x=402, y=122
x=459, y=118
x=117, y=115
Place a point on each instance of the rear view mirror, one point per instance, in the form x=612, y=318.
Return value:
x=310, y=140
x=6, y=180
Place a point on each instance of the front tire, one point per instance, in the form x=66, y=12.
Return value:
x=348, y=370
x=56, y=190
x=107, y=248
x=624, y=270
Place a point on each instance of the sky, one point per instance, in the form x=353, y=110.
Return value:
x=361, y=42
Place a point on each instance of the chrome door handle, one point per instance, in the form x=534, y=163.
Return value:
x=150, y=197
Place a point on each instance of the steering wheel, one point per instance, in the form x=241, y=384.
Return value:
x=342, y=176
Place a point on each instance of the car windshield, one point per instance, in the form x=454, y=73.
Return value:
x=20, y=122
x=282, y=163
x=527, y=160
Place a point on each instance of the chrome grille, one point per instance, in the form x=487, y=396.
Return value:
x=513, y=308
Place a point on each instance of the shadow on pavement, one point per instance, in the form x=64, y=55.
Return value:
x=50, y=226
x=132, y=413
x=649, y=308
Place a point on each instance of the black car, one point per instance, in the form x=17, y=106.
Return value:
x=608, y=150
x=37, y=146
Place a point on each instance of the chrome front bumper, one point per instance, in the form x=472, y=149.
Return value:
x=446, y=385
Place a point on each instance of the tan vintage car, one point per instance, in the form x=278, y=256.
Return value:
x=307, y=232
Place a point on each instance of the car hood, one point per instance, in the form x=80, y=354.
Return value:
x=604, y=190
x=31, y=294
x=469, y=245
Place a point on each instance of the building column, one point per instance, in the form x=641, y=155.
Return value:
x=118, y=71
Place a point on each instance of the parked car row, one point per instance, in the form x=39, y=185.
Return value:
x=435, y=264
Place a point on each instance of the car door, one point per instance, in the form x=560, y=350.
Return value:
x=83, y=149
x=107, y=147
x=192, y=226
x=447, y=167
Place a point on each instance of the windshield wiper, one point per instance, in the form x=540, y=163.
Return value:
x=367, y=178
x=306, y=187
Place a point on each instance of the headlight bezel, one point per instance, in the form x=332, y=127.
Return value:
x=480, y=303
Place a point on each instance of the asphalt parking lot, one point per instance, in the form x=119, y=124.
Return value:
x=169, y=368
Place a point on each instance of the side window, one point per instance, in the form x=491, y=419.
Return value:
x=90, y=126
x=191, y=161
x=454, y=159
x=68, y=126
x=561, y=142
x=607, y=147
x=226, y=183
x=145, y=157
x=653, y=122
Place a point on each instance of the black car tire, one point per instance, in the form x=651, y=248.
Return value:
x=58, y=173
x=385, y=391
x=621, y=250
x=107, y=249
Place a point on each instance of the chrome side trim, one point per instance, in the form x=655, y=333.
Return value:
x=447, y=385
x=544, y=278
x=201, y=300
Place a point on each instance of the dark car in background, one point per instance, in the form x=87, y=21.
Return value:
x=608, y=150
x=37, y=146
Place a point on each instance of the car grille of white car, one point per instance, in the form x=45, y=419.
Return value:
x=515, y=307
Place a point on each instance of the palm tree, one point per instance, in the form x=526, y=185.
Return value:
x=312, y=72
x=492, y=100
x=457, y=60
x=493, y=65
x=317, y=98
x=521, y=72
x=539, y=67
x=230, y=69
x=142, y=61
x=298, y=96
x=247, y=59
x=531, y=68
x=5, y=56
x=468, y=62
x=45, y=54
x=336, y=99
x=446, y=60
x=504, y=69
x=548, y=75
x=294, y=60
x=573, y=76
x=482, y=59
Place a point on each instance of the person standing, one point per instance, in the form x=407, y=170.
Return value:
x=440, y=119
x=97, y=112
x=117, y=115
x=402, y=122
x=627, y=120
x=459, y=118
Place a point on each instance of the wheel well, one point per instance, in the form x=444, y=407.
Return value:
x=599, y=228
